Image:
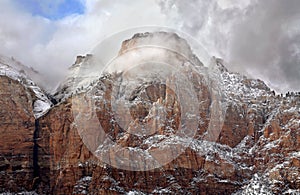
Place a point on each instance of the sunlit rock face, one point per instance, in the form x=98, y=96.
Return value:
x=156, y=120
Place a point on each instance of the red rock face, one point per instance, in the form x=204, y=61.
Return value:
x=17, y=126
x=243, y=136
x=61, y=151
x=64, y=165
x=198, y=170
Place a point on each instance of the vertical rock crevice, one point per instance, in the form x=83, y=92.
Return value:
x=35, y=157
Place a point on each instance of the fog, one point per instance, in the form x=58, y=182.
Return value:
x=258, y=38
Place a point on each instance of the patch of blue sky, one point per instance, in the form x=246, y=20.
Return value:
x=52, y=9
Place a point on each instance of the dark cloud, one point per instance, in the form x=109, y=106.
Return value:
x=261, y=41
x=260, y=38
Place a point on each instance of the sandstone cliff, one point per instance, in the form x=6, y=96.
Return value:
x=247, y=139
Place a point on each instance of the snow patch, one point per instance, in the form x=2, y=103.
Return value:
x=14, y=70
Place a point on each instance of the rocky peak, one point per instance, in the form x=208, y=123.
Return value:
x=160, y=46
x=164, y=40
x=80, y=59
x=76, y=72
x=220, y=64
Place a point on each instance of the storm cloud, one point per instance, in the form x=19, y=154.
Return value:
x=258, y=38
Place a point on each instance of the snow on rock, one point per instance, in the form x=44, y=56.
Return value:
x=257, y=186
x=135, y=193
x=19, y=193
x=82, y=185
x=292, y=192
x=81, y=76
x=16, y=71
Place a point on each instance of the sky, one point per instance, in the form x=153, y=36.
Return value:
x=53, y=10
x=260, y=39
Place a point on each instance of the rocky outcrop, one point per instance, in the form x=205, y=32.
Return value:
x=245, y=135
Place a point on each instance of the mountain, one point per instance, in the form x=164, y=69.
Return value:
x=187, y=129
x=16, y=71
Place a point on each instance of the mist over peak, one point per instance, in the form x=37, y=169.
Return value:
x=258, y=38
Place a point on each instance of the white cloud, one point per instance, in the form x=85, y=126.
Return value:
x=256, y=37
x=51, y=46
